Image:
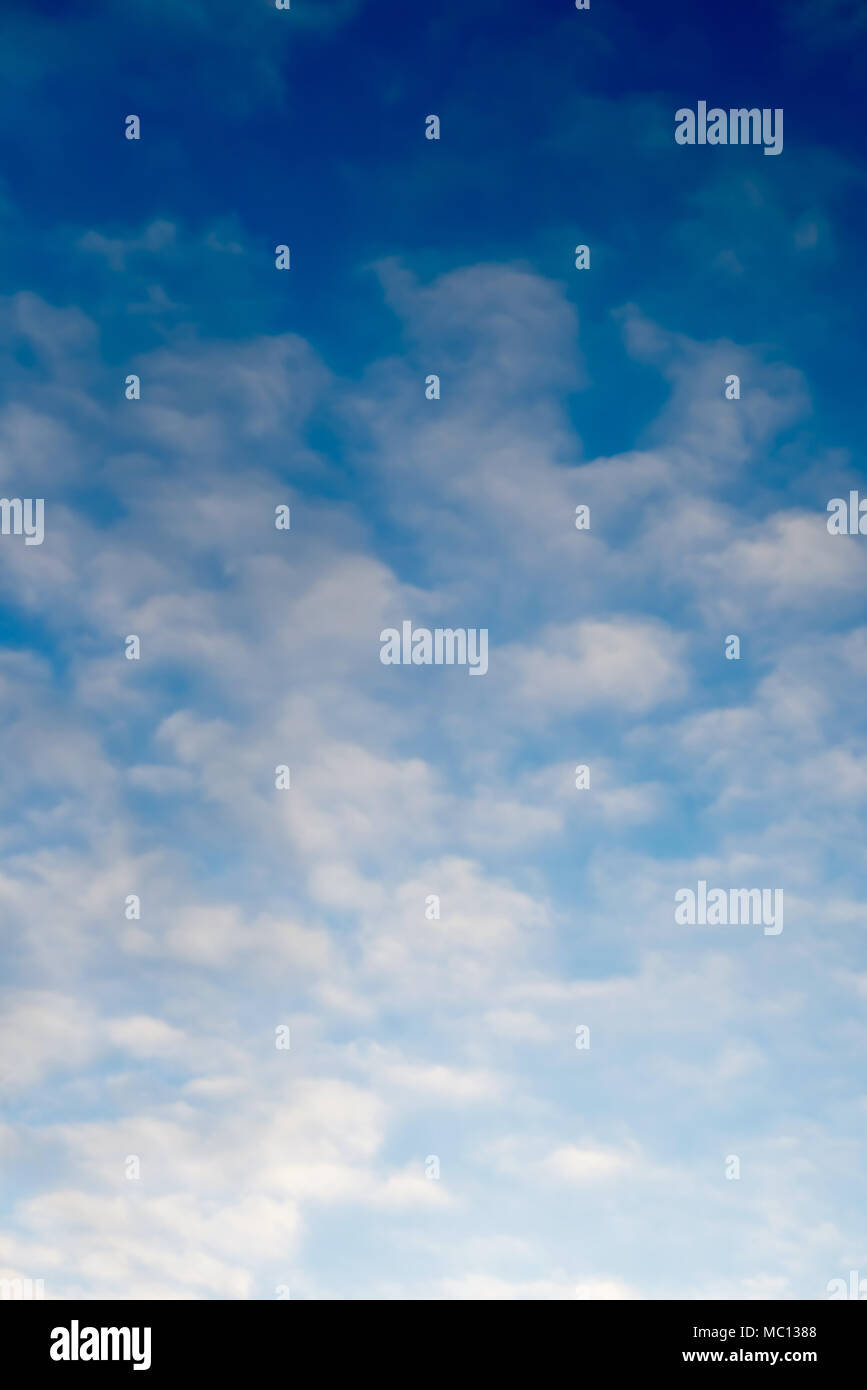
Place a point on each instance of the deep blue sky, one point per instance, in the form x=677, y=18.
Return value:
x=550, y=121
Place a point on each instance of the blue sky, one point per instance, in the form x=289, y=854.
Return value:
x=564, y=1173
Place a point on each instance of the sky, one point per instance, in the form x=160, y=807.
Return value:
x=433, y=1131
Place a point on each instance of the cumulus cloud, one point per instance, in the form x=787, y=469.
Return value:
x=415, y=1034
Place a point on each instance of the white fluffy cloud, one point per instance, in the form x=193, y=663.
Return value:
x=419, y=1036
